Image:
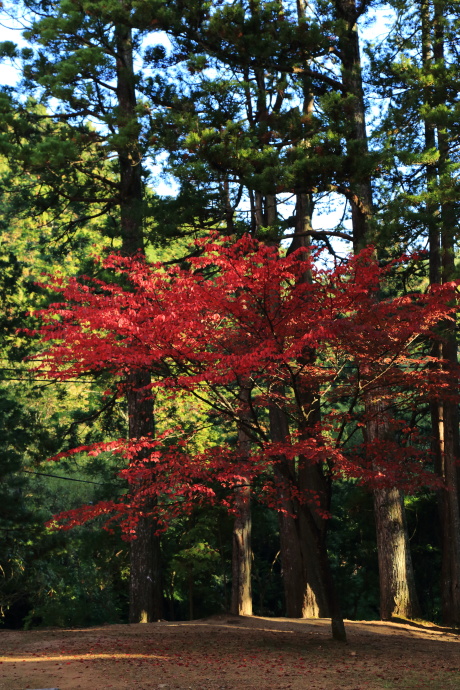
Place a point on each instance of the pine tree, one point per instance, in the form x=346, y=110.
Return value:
x=86, y=143
x=420, y=131
x=397, y=587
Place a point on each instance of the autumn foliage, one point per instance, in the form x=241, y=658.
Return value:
x=295, y=334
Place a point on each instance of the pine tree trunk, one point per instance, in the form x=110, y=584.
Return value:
x=445, y=419
x=324, y=574
x=241, y=552
x=145, y=569
x=304, y=598
x=357, y=146
x=299, y=598
x=145, y=591
x=303, y=587
x=447, y=430
x=145, y=599
x=444, y=414
x=396, y=577
x=312, y=526
x=308, y=586
x=447, y=435
x=307, y=580
x=320, y=597
x=397, y=594
x=242, y=555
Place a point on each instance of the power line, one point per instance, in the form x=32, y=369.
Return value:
x=69, y=479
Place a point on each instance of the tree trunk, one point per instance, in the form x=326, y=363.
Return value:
x=316, y=596
x=319, y=594
x=145, y=569
x=145, y=598
x=446, y=421
x=308, y=583
x=444, y=414
x=242, y=555
x=303, y=599
x=242, y=552
x=397, y=594
x=145, y=592
x=308, y=586
x=357, y=146
x=312, y=526
x=306, y=574
x=447, y=437
x=397, y=585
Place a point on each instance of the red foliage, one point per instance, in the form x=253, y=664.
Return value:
x=245, y=315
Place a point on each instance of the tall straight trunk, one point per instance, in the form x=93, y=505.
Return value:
x=145, y=598
x=357, y=145
x=145, y=590
x=300, y=597
x=313, y=479
x=311, y=525
x=448, y=451
x=398, y=598
x=241, y=601
x=303, y=599
x=241, y=552
x=444, y=414
x=314, y=593
x=396, y=578
x=304, y=586
x=445, y=418
x=308, y=583
x=317, y=555
x=306, y=574
x=304, y=591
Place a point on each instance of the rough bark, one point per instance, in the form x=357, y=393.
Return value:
x=308, y=584
x=300, y=596
x=242, y=553
x=145, y=565
x=307, y=578
x=145, y=599
x=129, y=157
x=397, y=585
x=311, y=526
x=145, y=591
x=357, y=145
x=303, y=585
x=305, y=595
x=448, y=445
x=445, y=419
x=444, y=413
x=397, y=594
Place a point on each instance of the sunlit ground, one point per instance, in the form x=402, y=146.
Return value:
x=226, y=653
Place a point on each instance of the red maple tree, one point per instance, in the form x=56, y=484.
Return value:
x=296, y=335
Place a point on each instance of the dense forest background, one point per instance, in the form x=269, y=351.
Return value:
x=332, y=125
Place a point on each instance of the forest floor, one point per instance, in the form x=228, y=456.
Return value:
x=232, y=653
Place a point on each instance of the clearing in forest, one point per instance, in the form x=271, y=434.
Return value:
x=228, y=653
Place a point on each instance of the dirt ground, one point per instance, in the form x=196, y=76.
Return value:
x=226, y=653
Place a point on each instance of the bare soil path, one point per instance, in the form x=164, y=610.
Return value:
x=225, y=653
